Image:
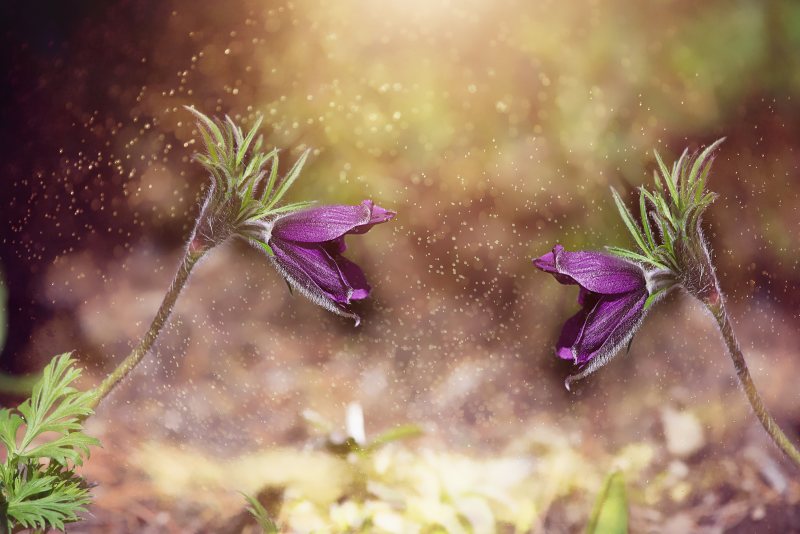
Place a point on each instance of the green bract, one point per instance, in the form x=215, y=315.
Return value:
x=38, y=484
x=670, y=214
x=245, y=185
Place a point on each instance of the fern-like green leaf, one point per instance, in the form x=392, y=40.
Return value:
x=56, y=406
x=9, y=424
x=46, y=502
x=38, y=485
x=73, y=447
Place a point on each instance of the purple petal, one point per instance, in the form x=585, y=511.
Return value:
x=327, y=223
x=354, y=277
x=316, y=265
x=574, y=326
x=378, y=215
x=569, y=334
x=609, y=324
x=594, y=271
x=293, y=263
x=547, y=263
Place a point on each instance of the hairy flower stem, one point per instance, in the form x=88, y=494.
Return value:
x=716, y=306
x=192, y=255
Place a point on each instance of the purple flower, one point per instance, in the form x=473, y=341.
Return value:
x=308, y=247
x=612, y=295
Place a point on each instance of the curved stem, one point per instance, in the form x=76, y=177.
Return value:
x=717, y=308
x=190, y=259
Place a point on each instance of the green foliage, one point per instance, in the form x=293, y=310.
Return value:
x=38, y=484
x=258, y=511
x=675, y=207
x=243, y=172
x=610, y=514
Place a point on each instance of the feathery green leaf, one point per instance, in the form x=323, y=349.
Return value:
x=38, y=488
x=46, y=502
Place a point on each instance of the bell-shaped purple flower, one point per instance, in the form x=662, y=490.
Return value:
x=308, y=246
x=613, y=293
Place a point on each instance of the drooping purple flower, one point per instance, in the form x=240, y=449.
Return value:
x=612, y=295
x=308, y=246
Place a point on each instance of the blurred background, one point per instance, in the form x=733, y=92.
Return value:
x=494, y=129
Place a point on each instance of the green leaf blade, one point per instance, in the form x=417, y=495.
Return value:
x=669, y=179
x=208, y=126
x=289, y=179
x=266, y=247
x=627, y=218
x=633, y=256
x=267, y=212
x=257, y=510
x=644, y=218
x=273, y=177
x=702, y=168
x=610, y=514
x=245, y=144
x=397, y=433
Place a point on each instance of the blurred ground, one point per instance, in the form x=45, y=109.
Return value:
x=494, y=130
